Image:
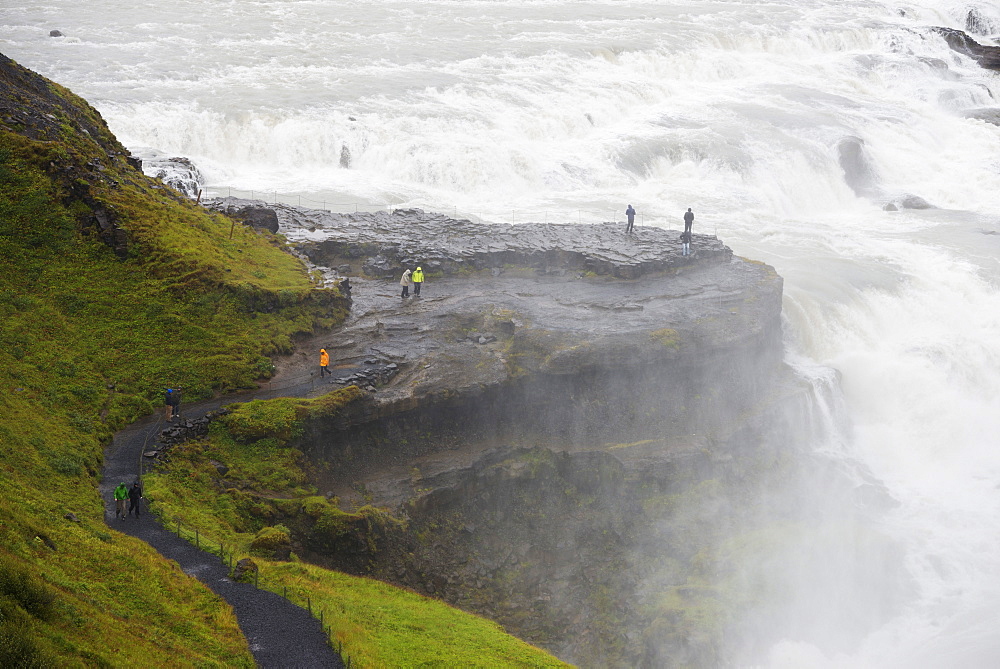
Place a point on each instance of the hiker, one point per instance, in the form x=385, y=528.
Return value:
x=324, y=360
x=173, y=403
x=630, y=213
x=688, y=220
x=121, y=494
x=134, y=495
x=406, y=282
x=418, y=278
x=686, y=243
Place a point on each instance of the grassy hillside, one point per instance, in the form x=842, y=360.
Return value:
x=112, y=288
x=263, y=504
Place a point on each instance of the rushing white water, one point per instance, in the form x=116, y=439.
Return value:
x=569, y=110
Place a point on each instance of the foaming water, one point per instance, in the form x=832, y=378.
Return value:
x=558, y=110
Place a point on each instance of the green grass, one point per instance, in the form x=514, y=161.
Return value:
x=378, y=625
x=265, y=499
x=88, y=341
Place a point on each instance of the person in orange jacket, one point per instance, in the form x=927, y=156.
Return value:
x=324, y=360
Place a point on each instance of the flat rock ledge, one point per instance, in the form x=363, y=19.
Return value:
x=380, y=244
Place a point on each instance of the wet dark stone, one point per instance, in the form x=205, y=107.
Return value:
x=987, y=56
x=443, y=246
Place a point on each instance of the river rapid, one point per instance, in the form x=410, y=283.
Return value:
x=787, y=127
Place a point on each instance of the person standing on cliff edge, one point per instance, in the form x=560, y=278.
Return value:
x=418, y=278
x=630, y=214
x=405, y=282
x=324, y=360
x=688, y=220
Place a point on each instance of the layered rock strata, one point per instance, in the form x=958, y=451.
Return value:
x=573, y=420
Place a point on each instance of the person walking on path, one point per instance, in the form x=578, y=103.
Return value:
x=418, y=278
x=134, y=495
x=630, y=214
x=121, y=494
x=688, y=220
x=406, y=282
x=173, y=403
x=324, y=361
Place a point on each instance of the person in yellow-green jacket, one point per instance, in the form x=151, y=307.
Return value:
x=417, y=278
x=121, y=494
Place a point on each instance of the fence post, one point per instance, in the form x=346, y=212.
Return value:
x=178, y=528
x=309, y=604
x=197, y=540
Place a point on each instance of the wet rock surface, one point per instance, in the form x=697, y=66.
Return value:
x=987, y=56
x=381, y=244
x=523, y=410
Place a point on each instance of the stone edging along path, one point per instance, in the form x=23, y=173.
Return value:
x=280, y=634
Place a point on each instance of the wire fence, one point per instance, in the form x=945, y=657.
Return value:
x=228, y=554
x=579, y=216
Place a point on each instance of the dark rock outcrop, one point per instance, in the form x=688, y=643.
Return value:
x=549, y=379
x=248, y=212
x=987, y=56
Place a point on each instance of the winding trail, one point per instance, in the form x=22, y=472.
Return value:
x=280, y=634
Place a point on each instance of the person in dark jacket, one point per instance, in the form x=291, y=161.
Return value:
x=173, y=403
x=688, y=221
x=630, y=214
x=134, y=495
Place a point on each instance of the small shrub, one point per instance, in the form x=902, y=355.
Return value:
x=67, y=464
x=271, y=539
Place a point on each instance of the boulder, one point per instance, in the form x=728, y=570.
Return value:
x=987, y=56
x=245, y=571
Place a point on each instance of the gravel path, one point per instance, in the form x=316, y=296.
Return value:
x=280, y=633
